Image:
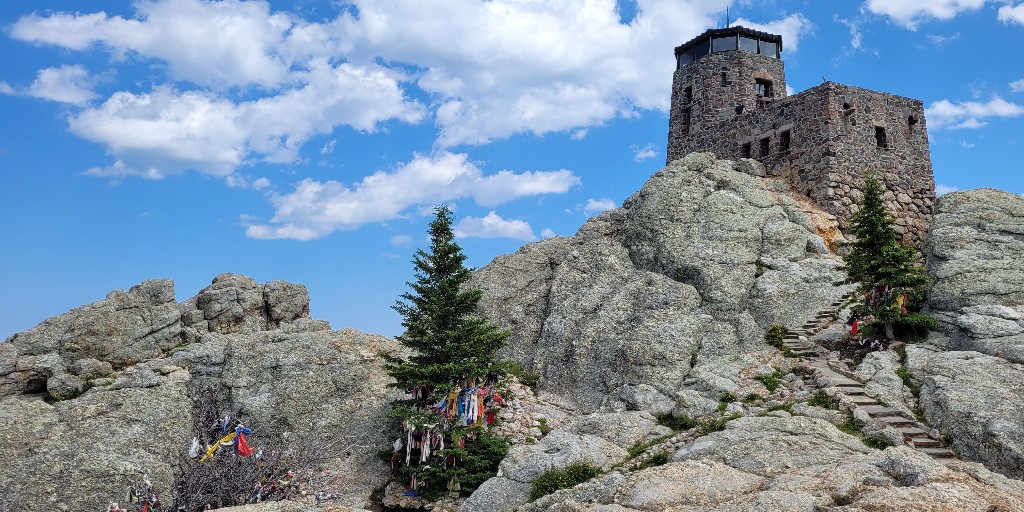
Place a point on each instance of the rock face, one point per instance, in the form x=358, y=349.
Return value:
x=91, y=397
x=792, y=464
x=693, y=267
x=972, y=372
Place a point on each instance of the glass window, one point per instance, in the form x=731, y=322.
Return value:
x=723, y=44
x=748, y=45
x=764, y=87
x=769, y=49
x=685, y=58
x=701, y=49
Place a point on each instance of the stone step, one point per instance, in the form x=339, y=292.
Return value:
x=896, y=421
x=863, y=400
x=881, y=411
x=938, y=453
x=926, y=442
x=841, y=382
x=912, y=431
x=851, y=390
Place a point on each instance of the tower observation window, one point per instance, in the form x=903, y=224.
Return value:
x=723, y=44
x=748, y=45
x=769, y=49
x=685, y=58
x=701, y=49
x=764, y=88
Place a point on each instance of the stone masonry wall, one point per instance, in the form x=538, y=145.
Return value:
x=832, y=148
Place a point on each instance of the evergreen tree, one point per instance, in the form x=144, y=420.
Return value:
x=889, y=280
x=453, y=351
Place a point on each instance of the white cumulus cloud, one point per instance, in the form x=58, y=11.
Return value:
x=942, y=189
x=1017, y=86
x=172, y=131
x=910, y=13
x=315, y=209
x=5, y=88
x=266, y=80
x=1012, y=14
x=595, y=206
x=66, y=84
x=643, y=153
x=493, y=226
x=547, y=233
x=969, y=114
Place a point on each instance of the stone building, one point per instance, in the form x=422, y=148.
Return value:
x=729, y=97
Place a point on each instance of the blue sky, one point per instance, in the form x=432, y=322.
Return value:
x=307, y=140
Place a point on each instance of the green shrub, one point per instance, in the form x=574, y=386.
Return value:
x=708, y=426
x=904, y=375
x=788, y=407
x=820, y=399
x=641, y=446
x=751, y=397
x=877, y=443
x=677, y=423
x=775, y=334
x=725, y=400
x=565, y=478
x=851, y=427
x=658, y=459
x=771, y=381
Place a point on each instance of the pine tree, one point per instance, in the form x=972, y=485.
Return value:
x=453, y=348
x=888, y=278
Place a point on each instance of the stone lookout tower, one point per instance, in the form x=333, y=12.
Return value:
x=729, y=97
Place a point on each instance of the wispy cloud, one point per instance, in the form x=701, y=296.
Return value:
x=643, y=153
x=1012, y=14
x=66, y=84
x=595, y=206
x=1017, y=86
x=401, y=240
x=969, y=114
x=315, y=209
x=943, y=189
x=911, y=13
x=493, y=226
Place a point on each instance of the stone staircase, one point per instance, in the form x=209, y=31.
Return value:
x=837, y=374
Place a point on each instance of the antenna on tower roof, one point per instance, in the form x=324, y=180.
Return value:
x=727, y=20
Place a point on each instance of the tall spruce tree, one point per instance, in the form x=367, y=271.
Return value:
x=889, y=281
x=453, y=349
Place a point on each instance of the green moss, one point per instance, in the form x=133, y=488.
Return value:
x=708, y=426
x=565, y=478
x=775, y=334
x=851, y=427
x=656, y=460
x=788, y=407
x=820, y=399
x=542, y=424
x=641, y=446
x=677, y=423
x=772, y=380
x=725, y=400
x=752, y=397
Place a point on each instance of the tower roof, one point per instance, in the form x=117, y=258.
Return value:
x=740, y=30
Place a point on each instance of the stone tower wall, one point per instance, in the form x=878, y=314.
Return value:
x=711, y=100
x=832, y=144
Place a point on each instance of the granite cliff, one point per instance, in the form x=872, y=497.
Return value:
x=655, y=308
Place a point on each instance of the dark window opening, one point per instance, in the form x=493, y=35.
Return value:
x=880, y=139
x=723, y=44
x=764, y=147
x=746, y=150
x=748, y=45
x=687, y=95
x=764, y=88
x=911, y=123
x=784, y=141
x=685, y=58
x=686, y=121
x=701, y=49
x=725, y=79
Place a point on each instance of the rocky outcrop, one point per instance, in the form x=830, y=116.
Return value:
x=692, y=268
x=792, y=464
x=974, y=254
x=90, y=398
x=971, y=372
